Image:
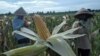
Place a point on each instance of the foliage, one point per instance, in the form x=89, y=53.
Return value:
x=52, y=21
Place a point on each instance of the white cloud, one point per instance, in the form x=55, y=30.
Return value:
x=6, y=7
x=30, y=6
x=46, y=5
x=37, y=3
x=4, y=4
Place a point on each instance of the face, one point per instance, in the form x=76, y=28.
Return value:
x=83, y=17
x=20, y=17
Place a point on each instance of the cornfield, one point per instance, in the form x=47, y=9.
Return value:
x=8, y=42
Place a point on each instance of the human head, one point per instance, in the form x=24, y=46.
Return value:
x=83, y=14
x=20, y=12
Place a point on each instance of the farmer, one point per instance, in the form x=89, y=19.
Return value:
x=83, y=20
x=18, y=23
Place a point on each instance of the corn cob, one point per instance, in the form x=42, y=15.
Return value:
x=41, y=27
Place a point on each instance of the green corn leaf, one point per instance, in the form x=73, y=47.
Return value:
x=33, y=50
x=70, y=31
x=28, y=31
x=65, y=33
x=57, y=28
x=72, y=36
x=69, y=36
x=26, y=35
x=60, y=46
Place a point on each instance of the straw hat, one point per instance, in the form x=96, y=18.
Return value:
x=83, y=11
x=20, y=12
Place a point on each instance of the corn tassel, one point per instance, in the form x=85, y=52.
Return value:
x=41, y=27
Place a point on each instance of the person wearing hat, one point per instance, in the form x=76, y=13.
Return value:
x=83, y=20
x=18, y=23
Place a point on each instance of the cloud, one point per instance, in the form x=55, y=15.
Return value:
x=37, y=3
x=30, y=6
x=47, y=5
x=4, y=4
x=6, y=7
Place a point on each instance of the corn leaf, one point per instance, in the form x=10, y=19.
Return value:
x=60, y=46
x=28, y=31
x=65, y=33
x=70, y=31
x=57, y=28
x=72, y=36
x=26, y=35
x=33, y=50
x=68, y=36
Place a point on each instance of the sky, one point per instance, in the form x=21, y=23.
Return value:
x=47, y=5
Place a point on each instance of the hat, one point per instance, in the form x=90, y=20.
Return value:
x=83, y=11
x=20, y=12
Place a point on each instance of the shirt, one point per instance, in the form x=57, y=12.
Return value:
x=18, y=23
x=84, y=41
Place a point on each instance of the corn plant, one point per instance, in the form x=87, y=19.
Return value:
x=44, y=39
x=95, y=41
